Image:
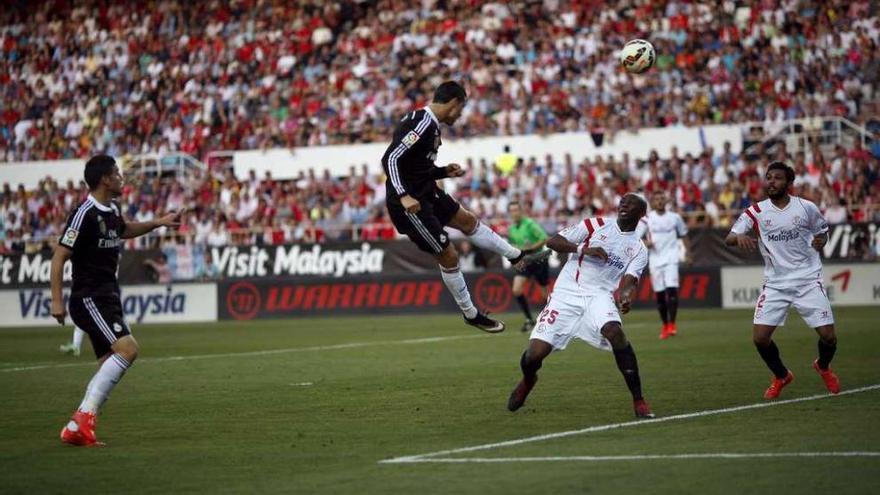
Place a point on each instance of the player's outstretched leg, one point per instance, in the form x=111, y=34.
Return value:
x=628, y=366
x=762, y=336
x=663, y=309
x=451, y=274
x=483, y=237
x=529, y=363
x=80, y=430
x=827, y=347
x=672, y=303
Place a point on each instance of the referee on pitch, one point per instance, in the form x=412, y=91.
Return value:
x=527, y=234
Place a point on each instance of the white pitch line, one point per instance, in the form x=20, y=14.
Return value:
x=612, y=426
x=646, y=457
x=351, y=345
x=302, y=384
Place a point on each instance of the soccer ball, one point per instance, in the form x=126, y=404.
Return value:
x=637, y=56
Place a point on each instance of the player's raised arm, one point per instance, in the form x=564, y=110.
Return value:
x=451, y=170
x=572, y=239
x=136, y=229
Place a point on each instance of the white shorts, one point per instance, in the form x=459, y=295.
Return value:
x=568, y=316
x=664, y=277
x=809, y=299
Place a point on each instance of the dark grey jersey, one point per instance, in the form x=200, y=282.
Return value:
x=409, y=160
x=94, y=234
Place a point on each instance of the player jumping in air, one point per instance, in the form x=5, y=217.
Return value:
x=661, y=230
x=420, y=209
x=791, y=231
x=525, y=233
x=582, y=303
x=92, y=241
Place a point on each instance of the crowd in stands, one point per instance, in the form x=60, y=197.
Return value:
x=126, y=78
x=709, y=189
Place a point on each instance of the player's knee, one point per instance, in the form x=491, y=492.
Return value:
x=661, y=298
x=672, y=295
x=448, y=258
x=614, y=333
x=467, y=221
x=529, y=362
x=762, y=339
x=128, y=348
x=828, y=336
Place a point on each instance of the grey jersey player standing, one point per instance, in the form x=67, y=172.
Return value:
x=92, y=241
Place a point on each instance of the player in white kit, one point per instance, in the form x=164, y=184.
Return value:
x=791, y=231
x=661, y=231
x=582, y=302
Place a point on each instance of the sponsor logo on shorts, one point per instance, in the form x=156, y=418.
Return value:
x=542, y=328
x=117, y=328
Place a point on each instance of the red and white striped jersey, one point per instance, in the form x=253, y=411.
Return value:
x=627, y=255
x=784, y=239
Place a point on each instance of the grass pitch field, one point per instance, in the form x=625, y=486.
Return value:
x=314, y=405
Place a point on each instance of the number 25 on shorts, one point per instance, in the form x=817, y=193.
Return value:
x=548, y=316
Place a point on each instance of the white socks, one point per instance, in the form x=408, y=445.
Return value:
x=485, y=238
x=78, y=338
x=102, y=383
x=454, y=281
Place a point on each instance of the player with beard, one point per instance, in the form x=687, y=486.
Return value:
x=791, y=232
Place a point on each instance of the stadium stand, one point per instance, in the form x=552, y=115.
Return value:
x=200, y=77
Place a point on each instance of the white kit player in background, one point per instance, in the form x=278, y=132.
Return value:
x=74, y=347
x=582, y=304
x=791, y=231
x=661, y=230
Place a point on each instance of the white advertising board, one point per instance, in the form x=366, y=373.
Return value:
x=177, y=303
x=846, y=284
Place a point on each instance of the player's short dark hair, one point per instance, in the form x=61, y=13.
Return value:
x=98, y=167
x=788, y=171
x=448, y=91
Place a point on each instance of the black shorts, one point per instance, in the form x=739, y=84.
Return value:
x=100, y=317
x=539, y=272
x=425, y=228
